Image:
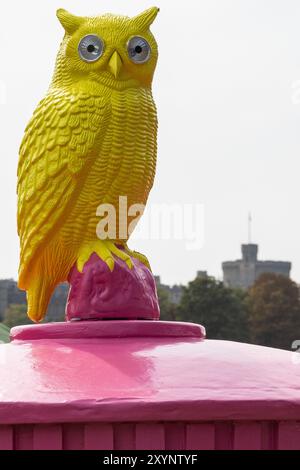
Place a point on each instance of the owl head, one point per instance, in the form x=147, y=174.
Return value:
x=116, y=51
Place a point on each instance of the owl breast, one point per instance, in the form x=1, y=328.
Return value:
x=123, y=165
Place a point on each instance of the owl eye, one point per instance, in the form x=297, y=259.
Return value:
x=91, y=48
x=139, y=50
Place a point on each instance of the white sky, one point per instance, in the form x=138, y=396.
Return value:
x=229, y=120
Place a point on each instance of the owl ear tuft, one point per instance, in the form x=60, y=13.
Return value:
x=144, y=20
x=69, y=22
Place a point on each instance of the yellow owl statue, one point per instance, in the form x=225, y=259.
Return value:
x=90, y=144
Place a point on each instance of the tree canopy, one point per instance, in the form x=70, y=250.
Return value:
x=274, y=308
x=16, y=314
x=221, y=310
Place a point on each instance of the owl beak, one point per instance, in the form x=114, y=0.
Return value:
x=115, y=64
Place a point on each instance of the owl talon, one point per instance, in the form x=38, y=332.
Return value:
x=106, y=250
x=110, y=263
x=120, y=254
x=100, y=249
x=80, y=265
x=135, y=254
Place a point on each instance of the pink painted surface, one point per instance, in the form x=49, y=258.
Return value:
x=289, y=435
x=47, y=437
x=250, y=435
x=98, y=293
x=144, y=385
x=200, y=436
x=99, y=371
x=150, y=436
x=6, y=438
x=107, y=329
x=98, y=436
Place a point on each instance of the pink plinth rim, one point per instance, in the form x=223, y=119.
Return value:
x=107, y=329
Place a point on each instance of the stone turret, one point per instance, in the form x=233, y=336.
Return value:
x=243, y=272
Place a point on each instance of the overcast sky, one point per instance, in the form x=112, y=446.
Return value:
x=227, y=89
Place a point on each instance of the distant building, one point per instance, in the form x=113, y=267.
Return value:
x=174, y=292
x=202, y=275
x=243, y=272
x=57, y=306
x=11, y=294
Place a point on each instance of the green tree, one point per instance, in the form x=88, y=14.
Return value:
x=16, y=314
x=168, y=310
x=4, y=333
x=274, y=308
x=222, y=311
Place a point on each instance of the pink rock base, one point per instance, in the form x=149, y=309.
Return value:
x=97, y=293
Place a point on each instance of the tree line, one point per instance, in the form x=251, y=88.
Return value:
x=267, y=314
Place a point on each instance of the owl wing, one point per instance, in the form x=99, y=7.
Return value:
x=57, y=145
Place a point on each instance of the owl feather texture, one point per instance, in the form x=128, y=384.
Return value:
x=91, y=140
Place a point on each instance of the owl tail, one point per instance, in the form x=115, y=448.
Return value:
x=38, y=296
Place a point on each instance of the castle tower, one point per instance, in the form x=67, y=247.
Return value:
x=242, y=273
